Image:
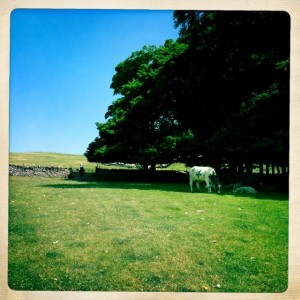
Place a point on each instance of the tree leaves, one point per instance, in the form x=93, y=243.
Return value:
x=218, y=92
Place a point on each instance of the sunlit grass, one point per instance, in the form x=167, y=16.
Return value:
x=127, y=236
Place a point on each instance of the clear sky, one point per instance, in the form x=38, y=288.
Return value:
x=61, y=66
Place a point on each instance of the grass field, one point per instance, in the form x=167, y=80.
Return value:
x=51, y=160
x=126, y=236
x=65, y=161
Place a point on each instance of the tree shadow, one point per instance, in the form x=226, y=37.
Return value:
x=92, y=182
x=116, y=184
x=261, y=195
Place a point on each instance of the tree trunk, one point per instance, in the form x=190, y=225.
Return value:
x=261, y=168
x=278, y=169
x=267, y=168
x=249, y=168
x=284, y=169
x=273, y=169
x=240, y=168
x=152, y=167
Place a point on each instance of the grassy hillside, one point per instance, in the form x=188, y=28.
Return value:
x=64, y=161
x=50, y=159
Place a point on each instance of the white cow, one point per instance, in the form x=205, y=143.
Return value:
x=207, y=174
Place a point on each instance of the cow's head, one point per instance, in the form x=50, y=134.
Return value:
x=216, y=183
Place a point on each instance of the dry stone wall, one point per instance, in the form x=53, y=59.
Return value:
x=17, y=170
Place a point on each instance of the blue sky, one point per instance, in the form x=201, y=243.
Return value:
x=61, y=66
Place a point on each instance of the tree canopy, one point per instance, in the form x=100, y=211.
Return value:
x=219, y=92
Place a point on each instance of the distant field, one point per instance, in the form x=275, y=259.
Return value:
x=128, y=236
x=50, y=159
x=64, y=161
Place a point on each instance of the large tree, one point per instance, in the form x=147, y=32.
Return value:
x=220, y=92
x=141, y=126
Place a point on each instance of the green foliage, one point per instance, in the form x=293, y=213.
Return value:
x=138, y=126
x=240, y=76
x=223, y=85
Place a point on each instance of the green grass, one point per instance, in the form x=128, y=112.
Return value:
x=123, y=236
x=50, y=160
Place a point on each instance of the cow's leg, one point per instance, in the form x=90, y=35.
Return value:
x=198, y=185
x=212, y=184
x=191, y=185
x=208, y=185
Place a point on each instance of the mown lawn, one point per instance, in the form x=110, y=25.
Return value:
x=122, y=236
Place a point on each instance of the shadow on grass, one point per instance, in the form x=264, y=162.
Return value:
x=114, y=184
x=276, y=196
x=92, y=182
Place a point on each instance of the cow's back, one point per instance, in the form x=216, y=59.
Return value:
x=197, y=171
